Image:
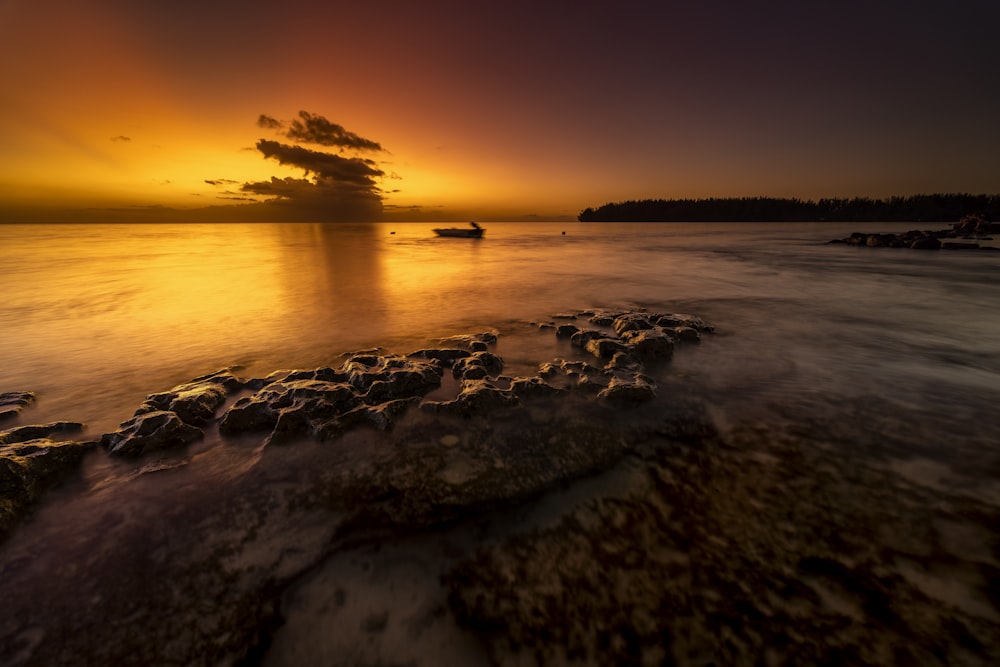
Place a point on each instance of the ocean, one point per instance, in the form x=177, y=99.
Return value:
x=887, y=358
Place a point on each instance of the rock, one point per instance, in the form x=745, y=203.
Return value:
x=631, y=322
x=582, y=337
x=566, y=330
x=637, y=389
x=649, y=343
x=623, y=361
x=446, y=355
x=603, y=319
x=605, y=348
x=674, y=320
x=687, y=334
x=314, y=399
x=476, y=397
x=531, y=387
x=369, y=389
x=148, y=432
x=478, y=366
x=195, y=402
x=12, y=402
x=29, y=467
x=36, y=431
x=916, y=239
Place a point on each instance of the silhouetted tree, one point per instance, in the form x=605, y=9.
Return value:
x=917, y=208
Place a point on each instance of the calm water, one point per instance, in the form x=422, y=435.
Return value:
x=96, y=317
x=886, y=360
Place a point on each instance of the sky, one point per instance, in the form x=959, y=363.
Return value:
x=449, y=110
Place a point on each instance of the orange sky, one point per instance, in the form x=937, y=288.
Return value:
x=115, y=109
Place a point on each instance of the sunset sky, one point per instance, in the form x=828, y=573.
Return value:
x=441, y=109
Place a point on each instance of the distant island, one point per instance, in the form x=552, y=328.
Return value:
x=916, y=208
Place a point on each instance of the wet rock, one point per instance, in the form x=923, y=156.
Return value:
x=673, y=320
x=12, y=402
x=970, y=227
x=383, y=415
x=566, y=330
x=28, y=467
x=531, y=387
x=472, y=342
x=477, y=397
x=687, y=334
x=195, y=402
x=446, y=355
x=148, y=432
x=583, y=337
x=623, y=361
x=296, y=403
x=36, y=431
x=629, y=391
x=478, y=366
x=631, y=322
x=605, y=348
x=602, y=319
x=368, y=389
x=649, y=343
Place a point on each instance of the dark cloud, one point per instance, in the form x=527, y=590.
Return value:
x=121, y=138
x=323, y=165
x=319, y=199
x=318, y=130
x=268, y=123
x=334, y=187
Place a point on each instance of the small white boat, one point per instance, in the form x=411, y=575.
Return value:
x=476, y=232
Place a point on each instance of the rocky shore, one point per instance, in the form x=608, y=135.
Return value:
x=750, y=546
x=962, y=236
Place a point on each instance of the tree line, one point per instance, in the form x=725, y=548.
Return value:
x=916, y=208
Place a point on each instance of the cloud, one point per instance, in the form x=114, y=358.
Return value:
x=314, y=129
x=121, y=138
x=268, y=123
x=334, y=186
x=323, y=165
x=319, y=199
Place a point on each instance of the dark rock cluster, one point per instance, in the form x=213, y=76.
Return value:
x=172, y=419
x=970, y=228
x=369, y=388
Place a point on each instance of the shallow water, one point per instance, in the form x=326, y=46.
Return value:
x=97, y=316
x=880, y=359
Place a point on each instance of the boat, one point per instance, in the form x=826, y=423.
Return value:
x=476, y=232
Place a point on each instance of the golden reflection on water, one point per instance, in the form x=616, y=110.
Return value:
x=104, y=314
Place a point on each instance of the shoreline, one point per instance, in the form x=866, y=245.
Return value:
x=666, y=537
